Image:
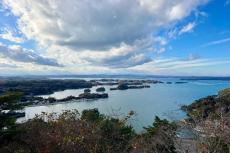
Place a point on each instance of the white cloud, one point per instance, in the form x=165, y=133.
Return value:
x=19, y=54
x=172, y=66
x=95, y=32
x=217, y=42
x=192, y=57
x=187, y=28
x=6, y=65
x=8, y=34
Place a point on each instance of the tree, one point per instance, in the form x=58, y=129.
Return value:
x=8, y=105
x=71, y=132
x=209, y=119
x=158, y=138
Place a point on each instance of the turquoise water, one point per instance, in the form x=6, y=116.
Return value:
x=163, y=100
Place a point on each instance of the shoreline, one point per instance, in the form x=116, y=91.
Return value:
x=71, y=101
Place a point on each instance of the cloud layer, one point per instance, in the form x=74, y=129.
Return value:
x=110, y=33
x=172, y=66
x=9, y=35
x=96, y=24
x=19, y=54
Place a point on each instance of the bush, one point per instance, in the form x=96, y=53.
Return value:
x=90, y=132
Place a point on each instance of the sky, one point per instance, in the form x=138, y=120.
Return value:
x=154, y=37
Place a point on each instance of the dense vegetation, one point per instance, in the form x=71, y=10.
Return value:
x=100, y=89
x=210, y=117
x=8, y=105
x=39, y=87
x=210, y=106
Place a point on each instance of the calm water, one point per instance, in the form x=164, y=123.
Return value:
x=163, y=100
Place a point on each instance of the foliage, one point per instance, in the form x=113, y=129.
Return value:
x=72, y=133
x=158, y=138
x=209, y=106
x=100, y=89
x=158, y=123
x=92, y=115
x=90, y=132
x=39, y=87
x=210, y=118
x=224, y=96
x=8, y=104
x=225, y=93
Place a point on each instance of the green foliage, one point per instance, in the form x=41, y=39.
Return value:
x=90, y=132
x=8, y=101
x=209, y=107
x=216, y=144
x=159, y=138
x=224, y=97
x=204, y=108
x=211, y=114
x=8, y=104
x=159, y=123
x=224, y=93
x=39, y=87
x=92, y=115
x=100, y=89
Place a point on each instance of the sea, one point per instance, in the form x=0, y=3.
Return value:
x=163, y=100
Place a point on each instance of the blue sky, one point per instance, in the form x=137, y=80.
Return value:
x=214, y=27
x=158, y=37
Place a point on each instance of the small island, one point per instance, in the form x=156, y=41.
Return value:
x=125, y=86
x=100, y=89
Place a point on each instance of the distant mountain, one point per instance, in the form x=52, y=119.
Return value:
x=137, y=76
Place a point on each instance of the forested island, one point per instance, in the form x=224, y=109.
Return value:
x=32, y=100
x=32, y=89
x=40, y=87
x=125, y=86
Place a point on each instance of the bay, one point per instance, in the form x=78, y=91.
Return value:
x=163, y=100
